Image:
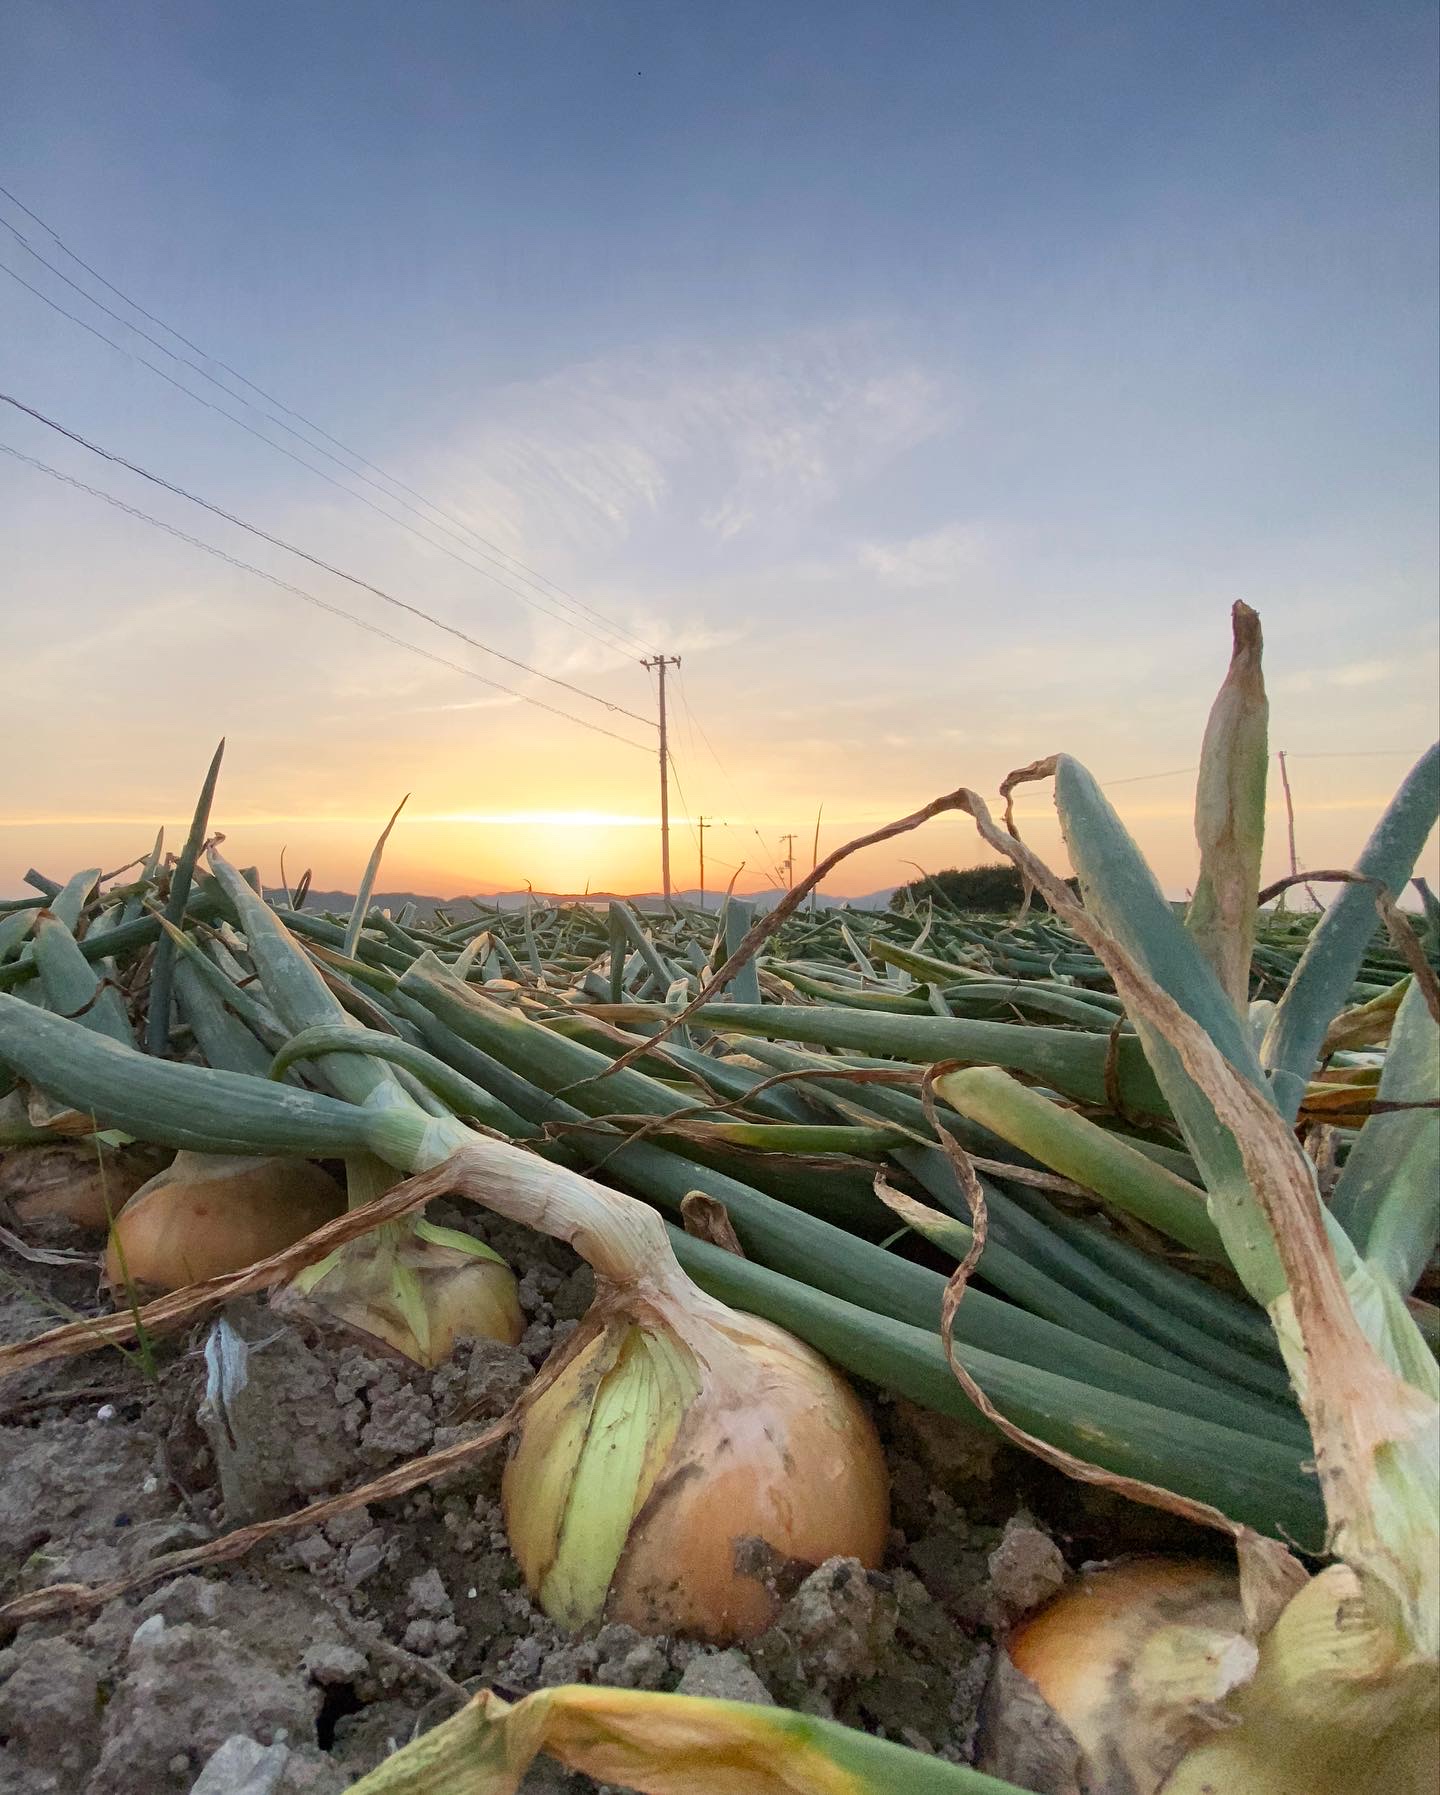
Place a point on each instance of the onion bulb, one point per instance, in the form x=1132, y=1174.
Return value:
x=672, y=1453
x=210, y=1213
x=1148, y=1666
x=1134, y=1658
x=414, y=1287
x=84, y=1183
x=682, y=1452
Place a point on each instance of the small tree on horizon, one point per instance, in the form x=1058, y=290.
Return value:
x=996, y=886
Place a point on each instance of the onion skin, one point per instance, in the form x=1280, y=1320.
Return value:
x=1338, y=1706
x=797, y=1467
x=415, y=1294
x=1073, y=1647
x=84, y=1183
x=774, y=1462
x=208, y=1214
x=1332, y=1703
x=1097, y=1657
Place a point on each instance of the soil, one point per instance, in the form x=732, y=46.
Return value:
x=297, y=1669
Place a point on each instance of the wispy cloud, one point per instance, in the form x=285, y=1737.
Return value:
x=728, y=440
x=1353, y=673
x=939, y=558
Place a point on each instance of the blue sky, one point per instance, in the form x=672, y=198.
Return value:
x=932, y=377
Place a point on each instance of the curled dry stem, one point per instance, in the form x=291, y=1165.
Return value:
x=765, y=926
x=1402, y=936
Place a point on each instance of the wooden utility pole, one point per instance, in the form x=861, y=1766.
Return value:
x=789, y=841
x=660, y=662
x=1290, y=824
x=702, y=824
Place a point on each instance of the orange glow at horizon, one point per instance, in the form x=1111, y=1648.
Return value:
x=452, y=854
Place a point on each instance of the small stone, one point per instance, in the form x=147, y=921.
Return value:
x=179, y=1764
x=426, y=1594
x=106, y=1412
x=1026, y=1568
x=242, y=1766
x=148, y=1634
x=193, y=1599
x=313, y=1550
x=644, y=1666
x=522, y=1662
x=420, y=1636
x=724, y=1676
x=363, y=1560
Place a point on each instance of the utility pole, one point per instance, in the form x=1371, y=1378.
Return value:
x=789, y=841
x=660, y=662
x=702, y=824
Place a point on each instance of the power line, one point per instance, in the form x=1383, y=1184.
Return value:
x=1140, y=778
x=689, y=818
x=1336, y=754
x=315, y=560
x=531, y=574
x=280, y=448
x=694, y=722
x=310, y=598
x=697, y=724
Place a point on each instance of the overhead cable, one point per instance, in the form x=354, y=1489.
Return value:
x=527, y=572
x=612, y=642
x=314, y=560
x=311, y=598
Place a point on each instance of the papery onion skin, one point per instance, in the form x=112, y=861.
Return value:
x=83, y=1183
x=1338, y=1706
x=1073, y=1646
x=208, y=1214
x=465, y=1292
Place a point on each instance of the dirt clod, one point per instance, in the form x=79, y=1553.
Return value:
x=1026, y=1568
x=723, y=1676
x=50, y=1705
x=197, y=1685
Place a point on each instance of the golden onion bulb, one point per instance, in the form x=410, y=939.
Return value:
x=417, y=1288
x=672, y=1454
x=676, y=1457
x=84, y=1183
x=209, y=1213
x=1134, y=1657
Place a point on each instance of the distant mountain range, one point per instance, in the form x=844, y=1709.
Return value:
x=426, y=906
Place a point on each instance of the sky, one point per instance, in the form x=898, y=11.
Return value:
x=930, y=378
